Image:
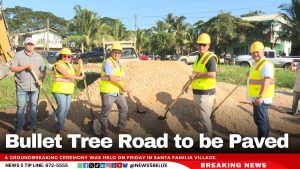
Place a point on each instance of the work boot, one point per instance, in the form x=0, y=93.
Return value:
x=124, y=131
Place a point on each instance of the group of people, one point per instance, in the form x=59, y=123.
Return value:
x=112, y=87
x=27, y=62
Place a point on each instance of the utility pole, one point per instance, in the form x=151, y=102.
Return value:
x=135, y=24
x=48, y=34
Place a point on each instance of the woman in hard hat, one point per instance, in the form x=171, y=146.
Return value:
x=63, y=85
x=112, y=87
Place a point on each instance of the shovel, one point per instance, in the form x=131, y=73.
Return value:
x=47, y=97
x=187, y=84
x=219, y=105
x=138, y=104
x=96, y=123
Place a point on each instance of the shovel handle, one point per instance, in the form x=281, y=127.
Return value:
x=87, y=92
x=47, y=97
x=185, y=87
x=239, y=83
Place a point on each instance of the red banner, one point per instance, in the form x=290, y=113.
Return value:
x=268, y=161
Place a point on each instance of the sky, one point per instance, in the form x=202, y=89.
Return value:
x=147, y=12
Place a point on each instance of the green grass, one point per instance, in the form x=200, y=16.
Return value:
x=8, y=89
x=233, y=74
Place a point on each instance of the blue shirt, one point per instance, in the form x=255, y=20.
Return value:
x=109, y=70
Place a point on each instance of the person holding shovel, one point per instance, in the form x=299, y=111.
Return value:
x=112, y=87
x=261, y=88
x=63, y=85
x=204, y=83
x=22, y=63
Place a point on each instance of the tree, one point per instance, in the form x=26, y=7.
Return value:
x=225, y=30
x=170, y=22
x=253, y=13
x=181, y=33
x=85, y=23
x=291, y=29
x=21, y=19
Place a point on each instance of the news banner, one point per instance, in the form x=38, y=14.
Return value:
x=100, y=158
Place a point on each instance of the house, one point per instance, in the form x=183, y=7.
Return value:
x=40, y=36
x=272, y=27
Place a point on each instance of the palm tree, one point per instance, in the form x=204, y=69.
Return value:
x=291, y=30
x=141, y=40
x=170, y=22
x=181, y=33
x=85, y=23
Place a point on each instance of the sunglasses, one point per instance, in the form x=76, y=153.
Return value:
x=66, y=56
x=116, y=52
x=201, y=44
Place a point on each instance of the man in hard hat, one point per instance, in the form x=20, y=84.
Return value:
x=204, y=83
x=22, y=63
x=112, y=89
x=261, y=88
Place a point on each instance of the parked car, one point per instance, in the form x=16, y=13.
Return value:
x=278, y=61
x=189, y=59
x=95, y=55
x=144, y=57
x=51, y=56
x=170, y=57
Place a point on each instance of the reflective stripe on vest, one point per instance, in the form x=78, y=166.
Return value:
x=60, y=83
x=106, y=86
x=203, y=83
x=256, y=81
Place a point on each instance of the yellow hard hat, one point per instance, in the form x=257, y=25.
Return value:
x=65, y=51
x=256, y=46
x=203, y=38
x=116, y=46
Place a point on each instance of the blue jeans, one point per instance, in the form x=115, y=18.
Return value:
x=63, y=105
x=261, y=119
x=32, y=107
x=296, y=98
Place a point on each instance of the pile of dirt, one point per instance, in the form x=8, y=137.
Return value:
x=156, y=84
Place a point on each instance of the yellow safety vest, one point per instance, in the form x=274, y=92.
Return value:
x=203, y=83
x=106, y=86
x=255, y=80
x=61, y=84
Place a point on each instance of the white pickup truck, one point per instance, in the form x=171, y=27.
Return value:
x=278, y=61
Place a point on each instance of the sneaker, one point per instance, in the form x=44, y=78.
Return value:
x=124, y=131
x=291, y=113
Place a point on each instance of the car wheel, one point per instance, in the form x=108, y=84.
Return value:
x=244, y=64
x=184, y=61
x=286, y=66
x=85, y=60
